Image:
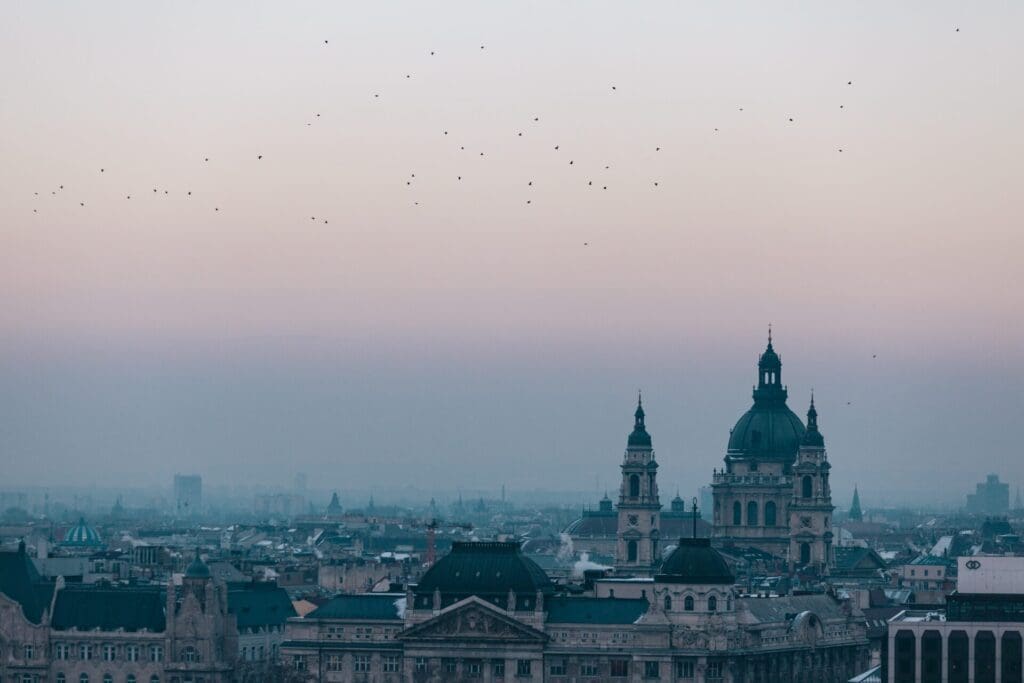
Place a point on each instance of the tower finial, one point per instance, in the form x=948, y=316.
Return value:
x=695, y=516
x=769, y=334
x=639, y=398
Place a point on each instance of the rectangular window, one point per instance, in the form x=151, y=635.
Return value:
x=30, y=652
x=334, y=663
x=652, y=670
x=620, y=668
x=109, y=653
x=62, y=651
x=714, y=671
x=361, y=664
x=523, y=667
x=588, y=669
x=299, y=663
x=450, y=665
x=499, y=669
x=131, y=653
x=390, y=664
x=420, y=665
x=684, y=668
x=156, y=653
x=85, y=651
x=474, y=669
x=557, y=667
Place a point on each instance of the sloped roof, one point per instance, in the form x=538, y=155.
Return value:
x=488, y=568
x=109, y=608
x=20, y=581
x=564, y=610
x=784, y=608
x=259, y=604
x=376, y=606
x=850, y=558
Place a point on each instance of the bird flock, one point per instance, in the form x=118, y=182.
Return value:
x=410, y=182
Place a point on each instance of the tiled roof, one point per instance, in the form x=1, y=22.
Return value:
x=562, y=610
x=377, y=606
x=781, y=609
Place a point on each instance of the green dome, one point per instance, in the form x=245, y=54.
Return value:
x=769, y=430
x=198, y=568
x=695, y=561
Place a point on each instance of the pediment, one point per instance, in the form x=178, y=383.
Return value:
x=473, y=620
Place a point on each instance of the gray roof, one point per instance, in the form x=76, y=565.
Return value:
x=108, y=608
x=781, y=609
x=20, y=581
x=259, y=604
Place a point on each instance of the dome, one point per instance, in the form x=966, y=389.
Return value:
x=82, y=535
x=695, y=561
x=812, y=437
x=198, y=568
x=769, y=430
x=639, y=438
x=486, y=569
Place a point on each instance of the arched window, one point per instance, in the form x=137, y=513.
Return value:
x=668, y=603
x=631, y=551
x=108, y=678
x=634, y=486
x=808, y=486
x=131, y=679
x=712, y=603
x=737, y=513
x=654, y=549
x=769, y=513
x=688, y=603
x=752, y=513
x=61, y=678
x=154, y=679
x=805, y=553
x=84, y=678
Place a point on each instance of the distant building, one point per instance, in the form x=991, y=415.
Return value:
x=188, y=494
x=991, y=497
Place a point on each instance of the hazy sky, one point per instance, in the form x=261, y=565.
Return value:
x=447, y=333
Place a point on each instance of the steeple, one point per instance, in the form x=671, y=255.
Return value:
x=855, y=512
x=812, y=437
x=639, y=438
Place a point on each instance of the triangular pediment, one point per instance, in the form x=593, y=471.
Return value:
x=474, y=620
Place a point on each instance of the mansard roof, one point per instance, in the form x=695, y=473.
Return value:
x=569, y=610
x=259, y=604
x=20, y=582
x=108, y=608
x=485, y=568
x=374, y=606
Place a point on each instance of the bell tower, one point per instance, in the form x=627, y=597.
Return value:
x=639, y=509
x=810, y=510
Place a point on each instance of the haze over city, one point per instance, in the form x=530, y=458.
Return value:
x=357, y=287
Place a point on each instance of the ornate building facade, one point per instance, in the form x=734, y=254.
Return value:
x=810, y=511
x=486, y=612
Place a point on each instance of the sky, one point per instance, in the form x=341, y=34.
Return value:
x=446, y=243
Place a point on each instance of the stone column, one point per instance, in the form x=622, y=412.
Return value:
x=945, y=656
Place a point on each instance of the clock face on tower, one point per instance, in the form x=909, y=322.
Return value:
x=805, y=522
x=633, y=520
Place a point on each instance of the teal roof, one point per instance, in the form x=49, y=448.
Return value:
x=566, y=610
x=82, y=535
x=374, y=606
x=259, y=604
x=485, y=569
x=108, y=608
x=20, y=581
x=694, y=561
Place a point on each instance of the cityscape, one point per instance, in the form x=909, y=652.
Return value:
x=396, y=343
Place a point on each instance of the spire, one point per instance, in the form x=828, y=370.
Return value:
x=769, y=374
x=639, y=438
x=855, y=513
x=812, y=437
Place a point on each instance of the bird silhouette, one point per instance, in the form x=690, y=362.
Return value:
x=259, y=156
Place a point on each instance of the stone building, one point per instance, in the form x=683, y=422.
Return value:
x=101, y=633
x=639, y=508
x=486, y=612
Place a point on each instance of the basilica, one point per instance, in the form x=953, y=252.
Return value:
x=772, y=495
